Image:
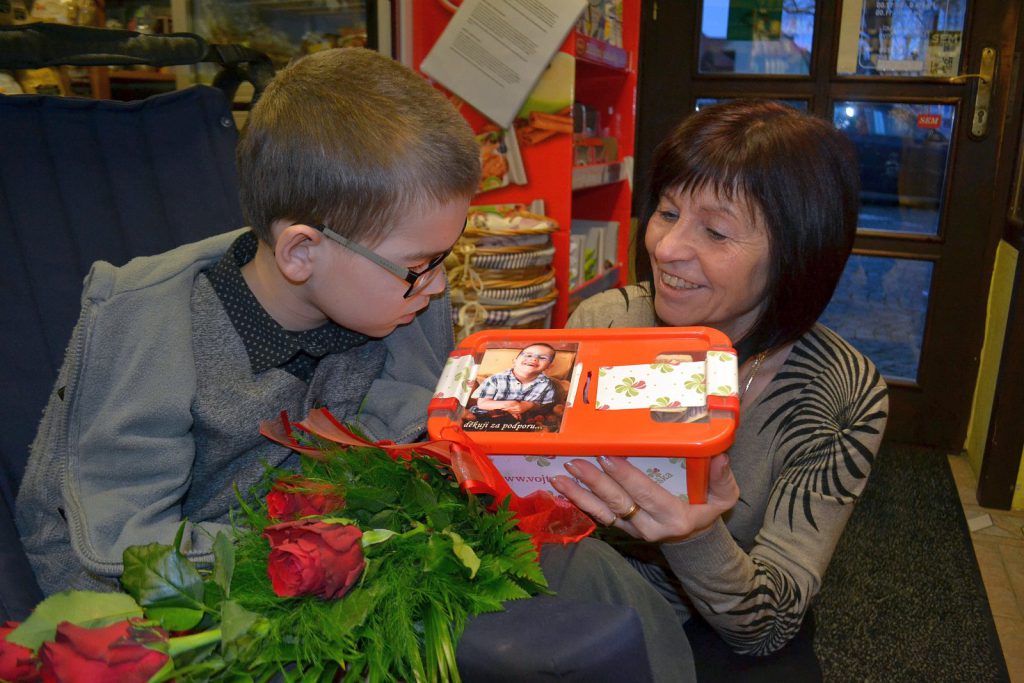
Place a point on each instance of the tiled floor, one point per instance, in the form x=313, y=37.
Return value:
x=999, y=547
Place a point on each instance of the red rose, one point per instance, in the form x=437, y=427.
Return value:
x=112, y=653
x=17, y=663
x=294, y=498
x=314, y=558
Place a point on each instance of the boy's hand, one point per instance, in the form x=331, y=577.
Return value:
x=514, y=408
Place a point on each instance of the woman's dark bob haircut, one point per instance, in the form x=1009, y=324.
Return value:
x=798, y=172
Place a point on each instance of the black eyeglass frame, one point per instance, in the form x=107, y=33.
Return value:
x=408, y=274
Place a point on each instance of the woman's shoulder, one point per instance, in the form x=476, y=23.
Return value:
x=629, y=306
x=825, y=371
x=824, y=349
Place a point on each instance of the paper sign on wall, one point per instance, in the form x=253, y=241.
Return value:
x=492, y=52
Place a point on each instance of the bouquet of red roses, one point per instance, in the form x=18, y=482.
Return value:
x=364, y=566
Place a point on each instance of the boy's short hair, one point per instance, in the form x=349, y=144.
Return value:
x=355, y=140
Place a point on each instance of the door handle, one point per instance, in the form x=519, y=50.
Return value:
x=963, y=78
x=983, y=94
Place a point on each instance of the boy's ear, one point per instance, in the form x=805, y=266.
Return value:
x=295, y=251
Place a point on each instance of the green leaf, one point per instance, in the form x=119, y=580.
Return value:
x=314, y=674
x=343, y=521
x=418, y=497
x=165, y=583
x=439, y=556
x=181, y=534
x=375, y=536
x=236, y=621
x=439, y=518
x=89, y=609
x=386, y=519
x=365, y=499
x=354, y=609
x=465, y=553
x=213, y=596
x=241, y=630
x=437, y=636
x=223, y=562
x=175, y=618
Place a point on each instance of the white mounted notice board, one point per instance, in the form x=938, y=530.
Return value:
x=492, y=52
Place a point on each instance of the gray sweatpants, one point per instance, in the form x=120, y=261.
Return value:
x=593, y=570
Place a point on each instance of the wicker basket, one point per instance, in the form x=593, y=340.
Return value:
x=500, y=272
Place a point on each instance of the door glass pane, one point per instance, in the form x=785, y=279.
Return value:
x=879, y=307
x=756, y=37
x=901, y=38
x=796, y=104
x=902, y=149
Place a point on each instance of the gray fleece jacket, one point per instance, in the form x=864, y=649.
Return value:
x=115, y=452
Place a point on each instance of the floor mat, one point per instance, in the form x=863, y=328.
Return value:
x=903, y=599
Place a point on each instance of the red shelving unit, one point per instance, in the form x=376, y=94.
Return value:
x=605, y=79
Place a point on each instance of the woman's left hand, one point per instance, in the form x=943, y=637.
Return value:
x=661, y=516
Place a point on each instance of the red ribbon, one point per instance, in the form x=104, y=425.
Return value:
x=545, y=517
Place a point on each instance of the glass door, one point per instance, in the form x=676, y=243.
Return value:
x=920, y=87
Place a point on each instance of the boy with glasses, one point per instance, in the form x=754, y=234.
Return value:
x=521, y=388
x=355, y=176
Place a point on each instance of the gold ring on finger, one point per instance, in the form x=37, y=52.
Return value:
x=628, y=515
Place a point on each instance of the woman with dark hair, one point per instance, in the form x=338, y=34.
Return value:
x=749, y=220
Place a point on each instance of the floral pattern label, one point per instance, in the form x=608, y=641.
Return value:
x=667, y=385
x=457, y=378
x=722, y=374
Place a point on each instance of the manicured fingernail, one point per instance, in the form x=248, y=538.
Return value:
x=559, y=482
x=572, y=469
x=607, y=463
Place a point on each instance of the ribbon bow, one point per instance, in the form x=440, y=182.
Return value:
x=545, y=517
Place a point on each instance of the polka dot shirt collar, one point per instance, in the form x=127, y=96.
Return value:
x=268, y=344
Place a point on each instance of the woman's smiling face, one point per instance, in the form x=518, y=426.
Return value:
x=709, y=259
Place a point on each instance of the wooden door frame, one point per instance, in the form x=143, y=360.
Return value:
x=998, y=477
x=1004, y=443
x=948, y=421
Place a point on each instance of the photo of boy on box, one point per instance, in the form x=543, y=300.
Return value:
x=517, y=395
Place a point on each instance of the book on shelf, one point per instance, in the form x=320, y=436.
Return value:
x=575, y=262
x=600, y=246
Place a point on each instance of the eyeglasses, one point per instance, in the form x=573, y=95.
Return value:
x=418, y=280
x=536, y=356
